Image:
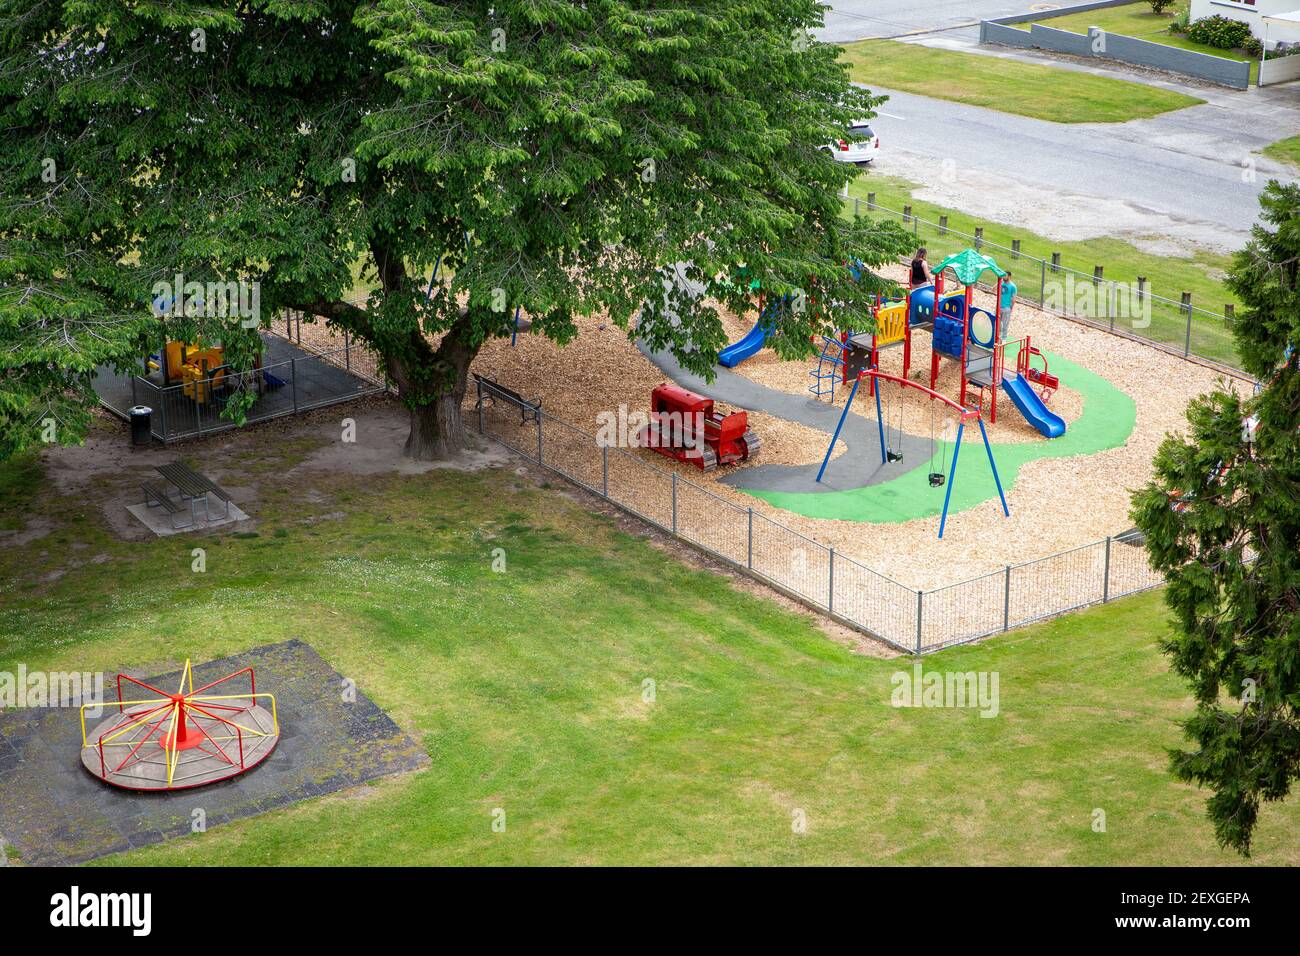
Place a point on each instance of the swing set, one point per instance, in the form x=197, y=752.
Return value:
x=890, y=427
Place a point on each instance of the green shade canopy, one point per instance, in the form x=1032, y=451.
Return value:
x=968, y=265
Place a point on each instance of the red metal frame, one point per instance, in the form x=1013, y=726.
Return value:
x=967, y=414
x=177, y=706
x=965, y=342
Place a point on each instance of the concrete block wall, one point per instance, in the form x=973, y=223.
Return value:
x=1114, y=46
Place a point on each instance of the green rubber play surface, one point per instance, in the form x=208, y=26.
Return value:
x=1108, y=419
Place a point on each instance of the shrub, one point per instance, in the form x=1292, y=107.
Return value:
x=1219, y=32
x=1179, y=24
x=1160, y=6
x=1253, y=47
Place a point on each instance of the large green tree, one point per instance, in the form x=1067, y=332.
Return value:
x=559, y=157
x=1222, y=520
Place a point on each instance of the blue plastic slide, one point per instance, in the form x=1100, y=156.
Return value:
x=753, y=340
x=1032, y=407
x=737, y=352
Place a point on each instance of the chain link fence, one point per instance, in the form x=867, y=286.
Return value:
x=1124, y=307
x=311, y=379
x=912, y=621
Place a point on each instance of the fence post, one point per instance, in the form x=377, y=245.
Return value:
x=1042, y=282
x=1142, y=289
x=1105, y=572
x=674, y=502
x=857, y=207
x=1056, y=262
x=478, y=386
x=1229, y=315
x=871, y=199
x=749, y=551
x=830, y=585
x=920, y=596
x=198, y=410
x=293, y=377
x=162, y=412
x=604, y=470
x=539, y=436
x=979, y=237
x=1187, y=344
x=1006, y=601
x=347, y=356
x=907, y=212
x=943, y=224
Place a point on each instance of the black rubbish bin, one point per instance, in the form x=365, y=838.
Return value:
x=141, y=424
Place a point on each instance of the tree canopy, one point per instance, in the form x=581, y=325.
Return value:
x=559, y=157
x=1222, y=520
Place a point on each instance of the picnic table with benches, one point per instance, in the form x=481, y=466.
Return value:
x=191, y=486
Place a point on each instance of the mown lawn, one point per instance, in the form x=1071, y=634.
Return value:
x=1025, y=89
x=1285, y=151
x=1169, y=277
x=1137, y=20
x=527, y=688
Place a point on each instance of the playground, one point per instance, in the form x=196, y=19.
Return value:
x=525, y=690
x=1066, y=464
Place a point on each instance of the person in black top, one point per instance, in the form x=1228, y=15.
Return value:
x=920, y=269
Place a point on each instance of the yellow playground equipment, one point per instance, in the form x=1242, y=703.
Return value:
x=198, y=368
x=891, y=324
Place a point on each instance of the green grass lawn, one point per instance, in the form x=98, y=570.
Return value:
x=526, y=689
x=1137, y=20
x=1026, y=89
x=1285, y=151
x=1167, y=276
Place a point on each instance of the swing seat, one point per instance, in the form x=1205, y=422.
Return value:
x=893, y=456
x=937, y=479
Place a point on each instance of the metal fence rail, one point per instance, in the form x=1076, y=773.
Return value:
x=835, y=584
x=285, y=388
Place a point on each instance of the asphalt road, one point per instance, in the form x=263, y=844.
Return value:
x=1192, y=176
x=859, y=19
x=1178, y=176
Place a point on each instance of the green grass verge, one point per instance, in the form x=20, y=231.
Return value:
x=1107, y=421
x=1201, y=273
x=1285, y=151
x=1025, y=89
x=526, y=690
x=1137, y=20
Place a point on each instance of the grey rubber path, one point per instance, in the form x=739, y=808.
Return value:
x=859, y=465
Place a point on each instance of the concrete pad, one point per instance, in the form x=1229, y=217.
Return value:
x=54, y=813
x=160, y=522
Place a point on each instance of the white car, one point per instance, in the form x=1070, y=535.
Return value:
x=860, y=153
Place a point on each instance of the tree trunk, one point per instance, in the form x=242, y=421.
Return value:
x=437, y=428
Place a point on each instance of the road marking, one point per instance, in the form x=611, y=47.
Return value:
x=891, y=115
